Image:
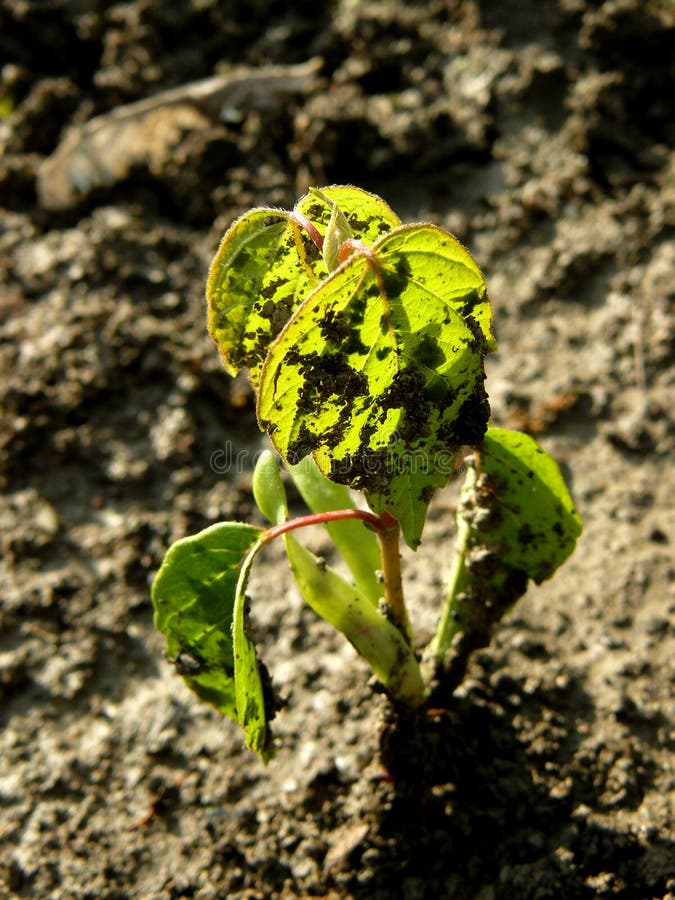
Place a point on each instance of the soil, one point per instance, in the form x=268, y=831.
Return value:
x=538, y=131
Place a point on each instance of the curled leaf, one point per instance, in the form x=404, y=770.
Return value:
x=254, y=700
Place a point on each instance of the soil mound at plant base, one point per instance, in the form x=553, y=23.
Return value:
x=541, y=135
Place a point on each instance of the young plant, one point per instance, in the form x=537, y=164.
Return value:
x=364, y=341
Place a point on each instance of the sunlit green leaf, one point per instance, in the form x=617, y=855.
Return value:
x=263, y=269
x=193, y=596
x=267, y=263
x=532, y=524
x=379, y=374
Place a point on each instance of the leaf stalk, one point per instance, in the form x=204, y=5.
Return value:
x=321, y=518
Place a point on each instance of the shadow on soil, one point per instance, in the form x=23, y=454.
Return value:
x=492, y=797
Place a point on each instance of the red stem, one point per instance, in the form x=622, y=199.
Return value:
x=311, y=229
x=333, y=515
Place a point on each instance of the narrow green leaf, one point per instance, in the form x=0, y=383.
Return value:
x=532, y=523
x=380, y=373
x=351, y=612
x=268, y=488
x=355, y=542
x=367, y=215
x=337, y=231
x=266, y=265
x=193, y=597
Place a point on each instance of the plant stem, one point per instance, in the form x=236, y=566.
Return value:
x=389, y=537
x=451, y=621
x=309, y=227
x=332, y=515
x=482, y=587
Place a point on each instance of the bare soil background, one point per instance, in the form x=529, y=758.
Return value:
x=540, y=132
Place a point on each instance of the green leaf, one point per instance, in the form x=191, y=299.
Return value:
x=263, y=269
x=193, y=596
x=379, y=374
x=268, y=488
x=337, y=231
x=531, y=522
x=267, y=263
x=355, y=542
x=515, y=521
x=351, y=612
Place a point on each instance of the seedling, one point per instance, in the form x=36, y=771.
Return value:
x=364, y=341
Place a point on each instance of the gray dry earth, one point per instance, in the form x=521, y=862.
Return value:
x=541, y=134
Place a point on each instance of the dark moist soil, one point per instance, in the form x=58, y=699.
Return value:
x=538, y=131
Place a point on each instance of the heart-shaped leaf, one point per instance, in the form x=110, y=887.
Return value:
x=379, y=374
x=268, y=262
